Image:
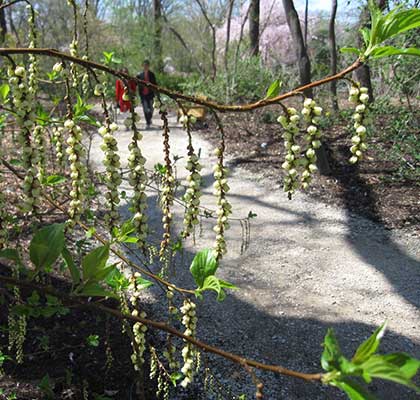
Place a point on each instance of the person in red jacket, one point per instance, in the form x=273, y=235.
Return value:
x=123, y=103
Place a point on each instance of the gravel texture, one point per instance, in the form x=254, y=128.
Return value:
x=309, y=266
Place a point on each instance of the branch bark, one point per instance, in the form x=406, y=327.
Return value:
x=162, y=327
x=176, y=95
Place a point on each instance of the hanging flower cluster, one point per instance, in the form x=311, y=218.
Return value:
x=78, y=174
x=3, y=222
x=23, y=100
x=85, y=79
x=360, y=97
x=139, y=329
x=58, y=140
x=39, y=143
x=311, y=113
x=137, y=178
x=17, y=325
x=168, y=185
x=189, y=320
x=193, y=193
x=290, y=123
x=74, y=45
x=113, y=175
x=221, y=188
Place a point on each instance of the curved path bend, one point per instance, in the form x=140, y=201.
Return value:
x=309, y=266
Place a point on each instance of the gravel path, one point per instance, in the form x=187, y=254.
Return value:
x=309, y=266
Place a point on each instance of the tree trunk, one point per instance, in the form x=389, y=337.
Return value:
x=157, y=19
x=3, y=25
x=306, y=22
x=299, y=44
x=228, y=25
x=254, y=27
x=213, y=39
x=333, y=54
x=304, y=70
x=363, y=73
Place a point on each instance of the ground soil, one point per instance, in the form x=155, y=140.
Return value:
x=372, y=188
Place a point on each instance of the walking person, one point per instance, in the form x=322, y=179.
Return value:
x=122, y=102
x=146, y=93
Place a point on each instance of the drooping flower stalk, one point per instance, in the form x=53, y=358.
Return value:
x=23, y=100
x=111, y=161
x=4, y=218
x=193, y=192
x=168, y=185
x=311, y=113
x=290, y=123
x=139, y=329
x=359, y=97
x=58, y=140
x=137, y=176
x=113, y=175
x=76, y=155
x=189, y=320
x=39, y=142
x=221, y=188
x=74, y=45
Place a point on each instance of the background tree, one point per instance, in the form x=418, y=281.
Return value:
x=3, y=24
x=254, y=27
x=293, y=22
x=157, y=20
x=333, y=53
x=363, y=73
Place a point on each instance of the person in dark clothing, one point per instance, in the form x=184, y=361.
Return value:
x=146, y=93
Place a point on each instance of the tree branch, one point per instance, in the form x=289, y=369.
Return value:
x=176, y=95
x=162, y=327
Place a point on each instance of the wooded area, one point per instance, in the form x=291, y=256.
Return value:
x=209, y=199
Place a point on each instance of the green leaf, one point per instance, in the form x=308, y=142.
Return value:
x=369, y=346
x=366, y=35
x=47, y=245
x=274, y=89
x=16, y=162
x=93, y=340
x=332, y=352
x=93, y=289
x=396, y=23
x=90, y=232
x=213, y=283
x=74, y=270
x=117, y=281
x=175, y=376
x=408, y=366
x=10, y=254
x=387, y=51
x=350, y=50
x=142, y=283
x=4, y=91
x=353, y=390
x=227, y=285
x=94, y=262
x=379, y=366
x=54, y=180
x=203, y=265
x=105, y=273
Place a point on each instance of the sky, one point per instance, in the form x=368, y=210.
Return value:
x=317, y=4
x=324, y=5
